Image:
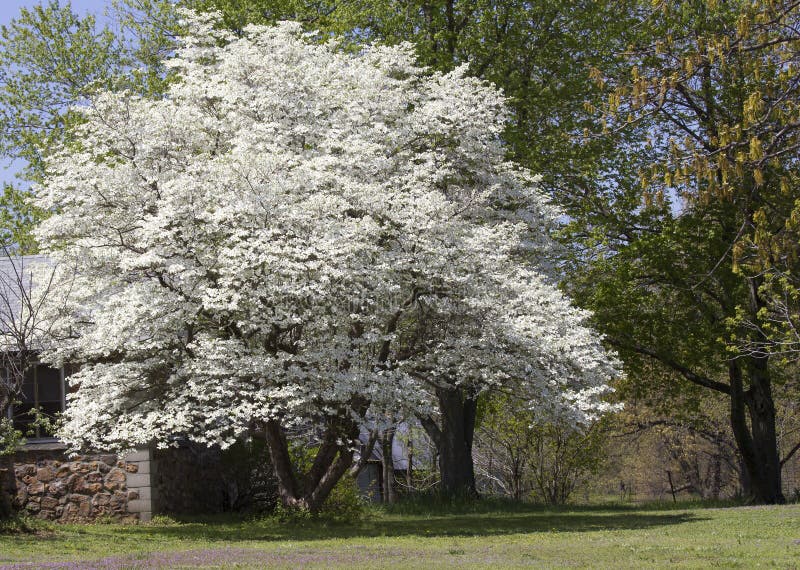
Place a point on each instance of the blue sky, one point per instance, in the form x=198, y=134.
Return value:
x=9, y=9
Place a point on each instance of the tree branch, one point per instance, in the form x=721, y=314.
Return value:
x=688, y=374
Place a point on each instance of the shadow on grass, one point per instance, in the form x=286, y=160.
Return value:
x=434, y=504
x=227, y=529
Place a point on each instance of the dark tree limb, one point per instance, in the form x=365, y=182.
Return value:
x=687, y=373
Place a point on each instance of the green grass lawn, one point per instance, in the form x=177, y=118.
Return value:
x=497, y=537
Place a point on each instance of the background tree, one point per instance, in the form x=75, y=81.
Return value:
x=504, y=448
x=564, y=459
x=52, y=59
x=672, y=453
x=524, y=456
x=713, y=83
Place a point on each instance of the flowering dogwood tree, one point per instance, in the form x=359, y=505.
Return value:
x=299, y=235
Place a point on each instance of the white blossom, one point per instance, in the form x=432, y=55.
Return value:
x=294, y=229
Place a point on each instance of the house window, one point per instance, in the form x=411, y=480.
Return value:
x=43, y=389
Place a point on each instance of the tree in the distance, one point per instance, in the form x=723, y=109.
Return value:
x=51, y=59
x=524, y=455
x=299, y=235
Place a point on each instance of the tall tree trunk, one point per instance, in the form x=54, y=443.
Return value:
x=516, y=477
x=387, y=463
x=410, y=466
x=745, y=485
x=757, y=441
x=454, y=440
x=761, y=408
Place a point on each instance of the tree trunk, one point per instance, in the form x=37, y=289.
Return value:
x=517, y=475
x=6, y=462
x=365, y=452
x=716, y=479
x=745, y=486
x=762, y=424
x=333, y=459
x=757, y=441
x=410, y=466
x=6, y=480
x=454, y=440
x=387, y=463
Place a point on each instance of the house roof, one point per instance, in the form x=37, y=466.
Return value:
x=406, y=432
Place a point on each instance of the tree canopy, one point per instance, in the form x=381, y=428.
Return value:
x=299, y=234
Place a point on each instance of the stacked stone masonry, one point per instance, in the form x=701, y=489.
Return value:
x=44, y=482
x=50, y=486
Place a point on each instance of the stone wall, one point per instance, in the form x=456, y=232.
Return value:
x=49, y=485
x=184, y=479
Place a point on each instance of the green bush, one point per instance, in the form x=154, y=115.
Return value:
x=10, y=438
x=345, y=503
x=18, y=523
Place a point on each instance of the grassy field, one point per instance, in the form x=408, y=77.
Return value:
x=498, y=537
